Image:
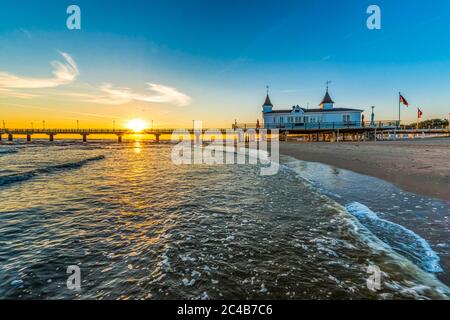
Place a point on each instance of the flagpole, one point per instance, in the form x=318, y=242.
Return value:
x=399, y=103
x=418, y=118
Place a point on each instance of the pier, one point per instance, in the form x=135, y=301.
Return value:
x=311, y=132
x=347, y=131
x=84, y=133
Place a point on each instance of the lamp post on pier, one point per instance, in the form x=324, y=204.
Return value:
x=372, y=118
x=448, y=121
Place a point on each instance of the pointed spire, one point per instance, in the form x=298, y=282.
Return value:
x=267, y=102
x=327, y=98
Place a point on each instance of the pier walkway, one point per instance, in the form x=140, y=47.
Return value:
x=310, y=132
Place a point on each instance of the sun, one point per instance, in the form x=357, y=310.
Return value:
x=137, y=125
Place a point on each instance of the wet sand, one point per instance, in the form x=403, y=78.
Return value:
x=419, y=166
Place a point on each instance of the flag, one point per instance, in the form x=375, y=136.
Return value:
x=403, y=100
x=419, y=113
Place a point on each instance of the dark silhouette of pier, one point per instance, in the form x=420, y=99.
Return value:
x=317, y=132
x=84, y=133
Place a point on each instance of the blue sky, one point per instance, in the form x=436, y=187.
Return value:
x=175, y=61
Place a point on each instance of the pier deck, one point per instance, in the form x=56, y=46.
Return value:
x=312, y=133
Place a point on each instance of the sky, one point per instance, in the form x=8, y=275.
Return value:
x=171, y=62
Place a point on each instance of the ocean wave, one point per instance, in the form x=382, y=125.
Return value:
x=8, y=151
x=18, y=177
x=399, y=238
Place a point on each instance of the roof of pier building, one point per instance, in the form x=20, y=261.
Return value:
x=314, y=110
x=267, y=102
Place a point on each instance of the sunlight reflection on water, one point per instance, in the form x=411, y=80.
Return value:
x=140, y=227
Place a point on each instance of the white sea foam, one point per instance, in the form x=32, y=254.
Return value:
x=18, y=177
x=398, y=237
x=188, y=283
x=394, y=236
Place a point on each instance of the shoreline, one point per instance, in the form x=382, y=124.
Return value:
x=417, y=166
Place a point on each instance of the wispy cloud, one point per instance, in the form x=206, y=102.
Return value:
x=290, y=90
x=16, y=94
x=27, y=33
x=157, y=93
x=63, y=73
x=66, y=72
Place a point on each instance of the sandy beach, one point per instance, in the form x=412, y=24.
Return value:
x=419, y=166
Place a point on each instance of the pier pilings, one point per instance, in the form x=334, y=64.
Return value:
x=306, y=134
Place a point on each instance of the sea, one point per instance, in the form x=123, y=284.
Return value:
x=139, y=226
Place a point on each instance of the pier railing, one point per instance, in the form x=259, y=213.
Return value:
x=65, y=131
x=387, y=124
x=90, y=131
x=323, y=128
x=381, y=125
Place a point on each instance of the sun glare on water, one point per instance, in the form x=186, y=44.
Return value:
x=137, y=125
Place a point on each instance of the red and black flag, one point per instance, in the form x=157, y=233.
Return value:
x=419, y=113
x=403, y=101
